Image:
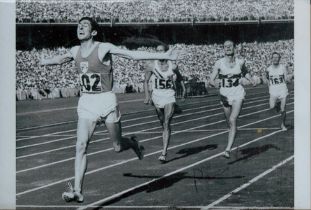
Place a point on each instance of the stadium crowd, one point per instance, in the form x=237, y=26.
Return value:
x=58, y=11
x=36, y=82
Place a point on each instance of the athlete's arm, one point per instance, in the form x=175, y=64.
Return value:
x=183, y=89
x=246, y=74
x=285, y=73
x=214, y=74
x=181, y=80
x=142, y=55
x=146, y=87
x=265, y=77
x=59, y=59
x=56, y=60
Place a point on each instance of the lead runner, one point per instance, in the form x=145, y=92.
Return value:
x=93, y=62
x=227, y=73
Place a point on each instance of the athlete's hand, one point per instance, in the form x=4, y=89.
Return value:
x=217, y=83
x=175, y=54
x=147, y=100
x=42, y=60
x=253, y=83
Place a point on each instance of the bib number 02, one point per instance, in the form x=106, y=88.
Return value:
x=90, y=82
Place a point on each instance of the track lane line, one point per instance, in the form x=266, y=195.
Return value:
x=145, y=140
x=118, y=195
x=132, y=159
x=130, y=133
x=75, y=107
x=252, y=181
x=129, y=126
x=132, y=119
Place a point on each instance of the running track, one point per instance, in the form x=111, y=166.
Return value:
x=258, y=174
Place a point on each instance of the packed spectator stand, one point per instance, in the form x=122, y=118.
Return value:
x=126, y=11
x=37, y=82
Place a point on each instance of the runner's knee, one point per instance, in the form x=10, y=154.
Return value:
x=81, y=147
x=166, y=124
x=232, y=121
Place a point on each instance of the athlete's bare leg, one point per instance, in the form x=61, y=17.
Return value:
x=168, y=114
x=160, y=114
x=273, y=103
x=121, y=143
x=227, y=111
x=85, y=131
x=283, y=114
x=235, y=111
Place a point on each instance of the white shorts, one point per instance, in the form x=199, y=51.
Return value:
x=228, y=95
x=99, y=106
x=160, y=99
x=277, y=92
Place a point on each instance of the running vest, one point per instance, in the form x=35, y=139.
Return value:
x=230, y=76
x=163, y=81
x=94, y=76
x=276, y=75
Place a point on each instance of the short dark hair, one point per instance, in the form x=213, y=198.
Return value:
x=165, y=46
x=229, y=40
x=94, y=24
x=276, y=53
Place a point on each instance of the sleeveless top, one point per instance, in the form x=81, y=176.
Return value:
x=163, y=82
x=230, y=77
x=95, y=76
x=276, y=75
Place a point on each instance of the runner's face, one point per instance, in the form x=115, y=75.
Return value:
x=229, y=48
x=275, y=59
x=84, y=30
x=160, y=49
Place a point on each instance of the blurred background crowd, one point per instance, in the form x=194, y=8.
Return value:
x=125, y=11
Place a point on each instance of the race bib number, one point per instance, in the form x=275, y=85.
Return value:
x=163, y=84
x=228, y=83
x=90, y=82
x=276, y=80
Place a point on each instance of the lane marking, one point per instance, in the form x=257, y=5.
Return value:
x=252, y=181
x=110, y=149
x=130, y=133
x=155, y=207
x=129, y=126
x=75, y=107
x=118, y=195
x=149, y=116
x=159, y=151
x=205, y=130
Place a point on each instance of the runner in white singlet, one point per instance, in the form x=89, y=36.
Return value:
x=164, y=75
x=276, y=77
x=226, y=74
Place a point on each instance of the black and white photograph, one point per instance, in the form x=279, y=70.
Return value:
x=158, y=104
